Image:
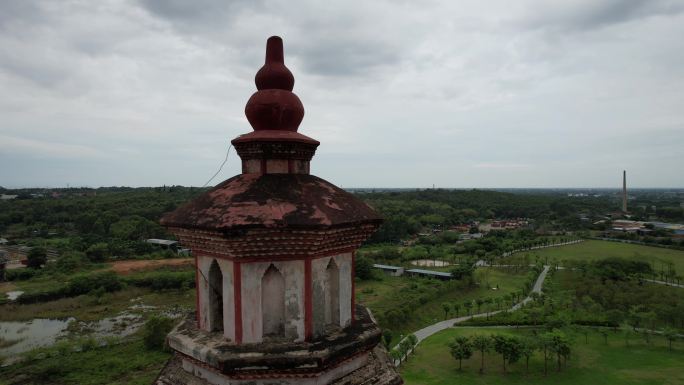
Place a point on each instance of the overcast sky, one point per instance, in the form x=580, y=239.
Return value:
x=400, y=93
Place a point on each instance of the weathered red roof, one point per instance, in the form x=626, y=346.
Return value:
x=272, y=201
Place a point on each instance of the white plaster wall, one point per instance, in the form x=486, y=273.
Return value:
x=204, y=263
x=344, y=263
x=318, y=273
x=228, y=299
x=293, y=273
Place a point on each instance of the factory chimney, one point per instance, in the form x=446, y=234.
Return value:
x=624, y=191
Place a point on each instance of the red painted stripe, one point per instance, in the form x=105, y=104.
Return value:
x=308, y=301
x=263, y=166
x=271, y=258
x=237, y=292
x=353, y=286
x=197, y=294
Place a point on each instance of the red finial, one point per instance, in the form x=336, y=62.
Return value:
x=274, y=74
x=274, y=106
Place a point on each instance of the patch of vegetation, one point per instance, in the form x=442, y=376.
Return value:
x=405, y=304
x=590, y=362
x=92, y=308
x=591, y=250
x=86, y=362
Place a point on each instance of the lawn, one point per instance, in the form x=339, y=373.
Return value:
x=594, y=250
x=590, y=363
x=384, y=294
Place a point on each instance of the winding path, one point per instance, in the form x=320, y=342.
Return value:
x=664, y=283
x=442, y=325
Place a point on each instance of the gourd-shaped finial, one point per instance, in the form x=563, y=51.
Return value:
x=274, y=106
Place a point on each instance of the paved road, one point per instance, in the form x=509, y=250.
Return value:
x=439, y=326
x=664, y=283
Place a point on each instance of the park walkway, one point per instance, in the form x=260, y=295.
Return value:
x=664, y=283
x=442, y=325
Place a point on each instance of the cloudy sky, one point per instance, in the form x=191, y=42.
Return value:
x=400, y=93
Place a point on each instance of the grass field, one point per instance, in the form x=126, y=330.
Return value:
x=594, y=250
x=385, y=294
x=590, y=363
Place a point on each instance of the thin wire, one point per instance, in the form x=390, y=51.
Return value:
x=220, y=168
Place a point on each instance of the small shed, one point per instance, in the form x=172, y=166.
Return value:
x=394, y=271
x=429, y=273
x=165, y=244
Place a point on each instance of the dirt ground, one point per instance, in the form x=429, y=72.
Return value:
x=127, y=267
x=6, y=286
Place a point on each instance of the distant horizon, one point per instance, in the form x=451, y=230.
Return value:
x=363, y=187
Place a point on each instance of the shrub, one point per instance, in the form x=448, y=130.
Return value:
x=20, y=274
x=70, y=262
x=164, y=280
x=155, y=331
x=36, y=257
x=98, y=252
x=85, y=283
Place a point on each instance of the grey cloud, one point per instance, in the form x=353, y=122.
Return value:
x=13, y=12
x=343, y=57
x=587, y=15
x=412, y=94
x=201, y=15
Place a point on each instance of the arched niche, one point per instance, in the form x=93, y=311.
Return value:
x=273, y=303
x=332, y=293
x=215, y=297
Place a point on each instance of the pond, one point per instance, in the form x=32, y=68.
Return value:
x=13, y=295
x=19, y=337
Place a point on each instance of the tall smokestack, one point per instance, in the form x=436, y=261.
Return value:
x=624, y=191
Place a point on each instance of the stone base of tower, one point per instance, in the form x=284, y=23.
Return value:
x=377, y=370
x=349, y=356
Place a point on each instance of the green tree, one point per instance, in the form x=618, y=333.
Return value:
x=671, y=335
x=468, y=305
x=155, y=331
x=387, y=338
x=479, y=303
x=413, y=340
x=482, y=343
x=461, y=348
x=446, y=306
x=559, y=344
x=508, y=347
x=363, y=268
x=98, y=252
x=36, y=257
x=457, y=307
x=527, y=348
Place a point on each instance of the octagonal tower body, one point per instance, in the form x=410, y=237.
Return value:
x=274, y=249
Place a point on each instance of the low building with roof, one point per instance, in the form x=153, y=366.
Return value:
x=429, y=274
x=394, y=271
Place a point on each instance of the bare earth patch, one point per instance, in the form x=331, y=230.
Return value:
x=6, y=286
x=127, y=267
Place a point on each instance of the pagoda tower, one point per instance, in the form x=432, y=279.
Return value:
x=274, y=252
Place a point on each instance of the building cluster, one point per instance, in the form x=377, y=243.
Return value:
x=646, y=228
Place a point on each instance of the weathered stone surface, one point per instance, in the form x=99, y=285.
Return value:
x=272, y=201
x=377, y=371
x=276, y=356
